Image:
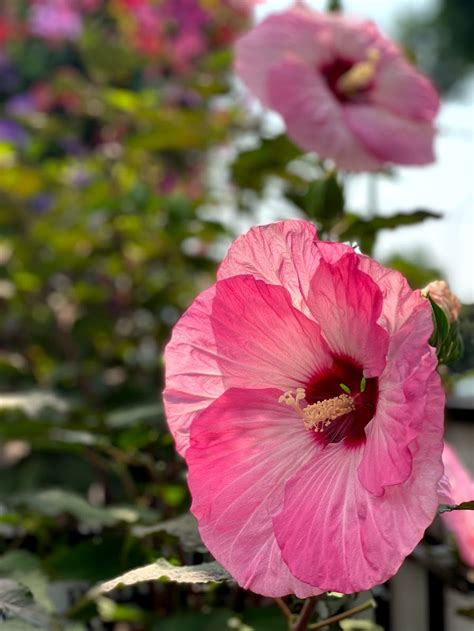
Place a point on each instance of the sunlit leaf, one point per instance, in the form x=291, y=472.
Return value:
x=184, y=527
x=162, y=570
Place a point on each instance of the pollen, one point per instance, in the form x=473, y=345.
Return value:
x=319, y=415
x=360, y=75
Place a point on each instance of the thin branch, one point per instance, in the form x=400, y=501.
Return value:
x=342, y=616
x=284, y=608
x=302, y=621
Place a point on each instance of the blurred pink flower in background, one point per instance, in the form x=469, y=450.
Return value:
x=441, y=294
x=180, y=30
x=461, y=522
x=343, y=89
x=59, y=20
x=303, y=394
x=55, y=20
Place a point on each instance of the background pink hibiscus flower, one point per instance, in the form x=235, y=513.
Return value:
x=343, y=89
x=461, y=523
x=332, y=491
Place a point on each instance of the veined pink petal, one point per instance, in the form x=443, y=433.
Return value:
x=257, y=50
x=388, y=456
x=262, y=340
x=399, y=300
x=239, y=333
x=406, y=315
x=193, y=378
x=281, y=253
x=313, y=117
x=242, y=446
x=330, y=251
x=461, y=523
x=411, y=141
x=335, y=534
x=402, y=90
x=347, y=304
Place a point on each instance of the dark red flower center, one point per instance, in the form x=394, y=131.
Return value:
x=349, y=80
x=345, y=377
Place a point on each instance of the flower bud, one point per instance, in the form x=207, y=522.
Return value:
x=439, y=292
x=446, y=306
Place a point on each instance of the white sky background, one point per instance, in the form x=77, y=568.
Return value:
x=446, y=186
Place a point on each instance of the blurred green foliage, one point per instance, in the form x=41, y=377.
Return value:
x=441, y=40
x=105, y=238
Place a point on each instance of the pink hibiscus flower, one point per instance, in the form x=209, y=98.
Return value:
x=343, y=89
x=461, y=523
x=303, y=394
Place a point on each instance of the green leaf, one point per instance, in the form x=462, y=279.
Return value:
x=32, y=403
x=446, y=336
x=251, y=168
x=162, y=570
x=183, y=527
x=447, y=508
x=132, y=415
x=324, y=201
x=94, y=559
x=16, y=601
x=364, y=231
x=56, y=501
x=25, y=568
x=441, y=324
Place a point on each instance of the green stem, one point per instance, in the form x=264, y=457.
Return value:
x=342, y=616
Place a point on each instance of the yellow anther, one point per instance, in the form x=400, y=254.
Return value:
x=319, y=415
x=293, y=400
x=360, y=75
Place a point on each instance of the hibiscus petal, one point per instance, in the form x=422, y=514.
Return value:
x=461, y=523
x=335, y=534
x=313, y=117
x=239, y=333
x=347, y=304
x=401, y=89
x=261, y=339
x=406, y=315
x=193, y=378
x=294, y=31
x=243, y=448
x=399, y=300
x=388, y=457
x=353, y=38
x=281, y=253
x=389, y=137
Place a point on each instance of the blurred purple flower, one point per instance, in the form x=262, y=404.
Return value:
x=41, y=203
x=9, y=78
x=20, y=104
x=12, y=132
